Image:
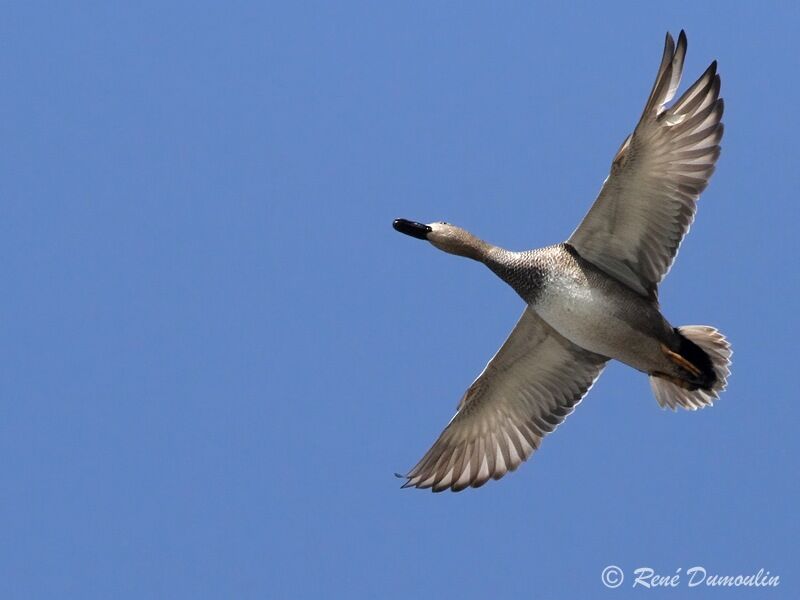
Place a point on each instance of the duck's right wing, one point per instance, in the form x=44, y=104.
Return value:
x=532, y=383
x=648, y=202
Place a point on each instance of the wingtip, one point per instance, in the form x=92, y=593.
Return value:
x=682, y=46
x=669, y=48
x=407, y=483
x=710, y=71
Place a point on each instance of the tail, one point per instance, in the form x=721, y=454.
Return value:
x=710, y=354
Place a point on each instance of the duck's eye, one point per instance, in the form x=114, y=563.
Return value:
x=443, y=223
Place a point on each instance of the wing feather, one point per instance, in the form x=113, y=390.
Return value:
x=528, y=388
x=648, y=202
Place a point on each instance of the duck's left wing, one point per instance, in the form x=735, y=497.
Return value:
x=532, y=383
x=648, y=202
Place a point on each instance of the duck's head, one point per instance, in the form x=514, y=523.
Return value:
x=444, y=236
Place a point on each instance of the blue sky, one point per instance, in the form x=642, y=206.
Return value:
x=216, y=351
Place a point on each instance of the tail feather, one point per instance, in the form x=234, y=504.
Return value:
x=707, y=348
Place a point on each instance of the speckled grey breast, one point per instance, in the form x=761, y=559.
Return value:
x=587, y=306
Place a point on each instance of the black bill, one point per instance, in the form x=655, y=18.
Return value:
x=412, y=228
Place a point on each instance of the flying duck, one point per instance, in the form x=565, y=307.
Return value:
x=594, y=297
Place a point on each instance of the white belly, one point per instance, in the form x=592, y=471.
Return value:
x=592, y=319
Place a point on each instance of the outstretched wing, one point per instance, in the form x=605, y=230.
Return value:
x=532, y=383
x=648, y=202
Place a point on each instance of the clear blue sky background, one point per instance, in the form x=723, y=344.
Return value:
x=216, y=351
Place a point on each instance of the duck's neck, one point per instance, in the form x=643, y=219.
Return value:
x=520, y=270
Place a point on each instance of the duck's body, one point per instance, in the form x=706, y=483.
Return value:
x=590, y=308
x=594, y=297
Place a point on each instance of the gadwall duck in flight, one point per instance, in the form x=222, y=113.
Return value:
x=594, y=297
